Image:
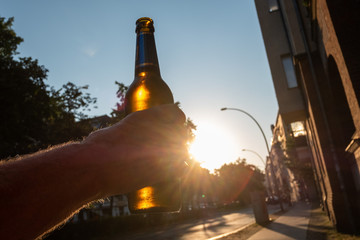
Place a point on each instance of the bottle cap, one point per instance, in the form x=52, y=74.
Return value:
x=146, y=24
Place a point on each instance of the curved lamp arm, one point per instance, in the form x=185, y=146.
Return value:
x=237, y=109
x=248, y=150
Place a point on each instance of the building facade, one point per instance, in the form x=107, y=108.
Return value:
x=291, y=162
x=313, y=53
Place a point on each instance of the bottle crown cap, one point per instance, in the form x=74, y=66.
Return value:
x=145, y=24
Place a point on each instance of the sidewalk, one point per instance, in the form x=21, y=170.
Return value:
x=303, y=221
x=291, y=225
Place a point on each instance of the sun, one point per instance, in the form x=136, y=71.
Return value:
x=213, y=146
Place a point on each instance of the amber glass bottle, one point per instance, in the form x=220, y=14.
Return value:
x=149, y=89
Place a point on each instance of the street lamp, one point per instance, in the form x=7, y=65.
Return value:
x=237, y=109
x=267, y=148
x=248, y=150
x=267, y=176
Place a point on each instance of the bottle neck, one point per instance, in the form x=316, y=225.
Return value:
x=146, y=56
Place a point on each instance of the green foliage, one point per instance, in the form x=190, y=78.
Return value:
x=232, y=183
x=291, y=161
x=33, y=116
x=118, y=112
x=71, y=99
x=197, y=182
x=237, y=180
x=191, y=127
x=306, y=3
x=8, y=39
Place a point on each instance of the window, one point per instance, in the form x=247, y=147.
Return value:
x=289, y=71
x=298, y=129
x=273, y=5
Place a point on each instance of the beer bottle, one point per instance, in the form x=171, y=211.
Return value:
x=149, y=89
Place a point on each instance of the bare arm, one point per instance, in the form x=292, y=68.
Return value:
x=40, y=191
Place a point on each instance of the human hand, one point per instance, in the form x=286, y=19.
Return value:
x=144, y=148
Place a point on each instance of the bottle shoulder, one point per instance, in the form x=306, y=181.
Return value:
x=146, y=92
x=151, y=82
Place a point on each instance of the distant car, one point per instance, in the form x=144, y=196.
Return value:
x=272, y=200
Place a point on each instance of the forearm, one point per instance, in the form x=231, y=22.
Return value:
x=45, y=189
x=40, y=191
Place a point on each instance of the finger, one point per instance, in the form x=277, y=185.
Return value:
x=173, y=164
x=172, y=114
x=168, y=135
x=169, y=113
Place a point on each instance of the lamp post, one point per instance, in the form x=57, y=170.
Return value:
x=248, y=150
x=267, y=148
x=270, y=190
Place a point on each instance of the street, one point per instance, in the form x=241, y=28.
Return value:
x=206, y=228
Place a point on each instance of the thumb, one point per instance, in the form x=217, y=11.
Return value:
x=169, y=113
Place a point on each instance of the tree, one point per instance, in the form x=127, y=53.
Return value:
x=72, y=100
x=237, y=180
x=301, y=169
x=198, y=185
x=9, y=40
x=32, y=115
x=119, y=112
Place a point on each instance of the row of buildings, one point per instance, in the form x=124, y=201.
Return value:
x=313, y=52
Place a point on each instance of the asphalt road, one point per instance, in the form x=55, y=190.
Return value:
x=207, y=228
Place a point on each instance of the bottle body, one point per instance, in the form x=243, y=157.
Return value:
x=158, y=198
x=147, y=90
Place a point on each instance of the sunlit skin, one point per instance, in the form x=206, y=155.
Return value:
x=213, y=146
x=53, y=184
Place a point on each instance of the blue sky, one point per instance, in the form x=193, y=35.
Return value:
x=211, y=55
